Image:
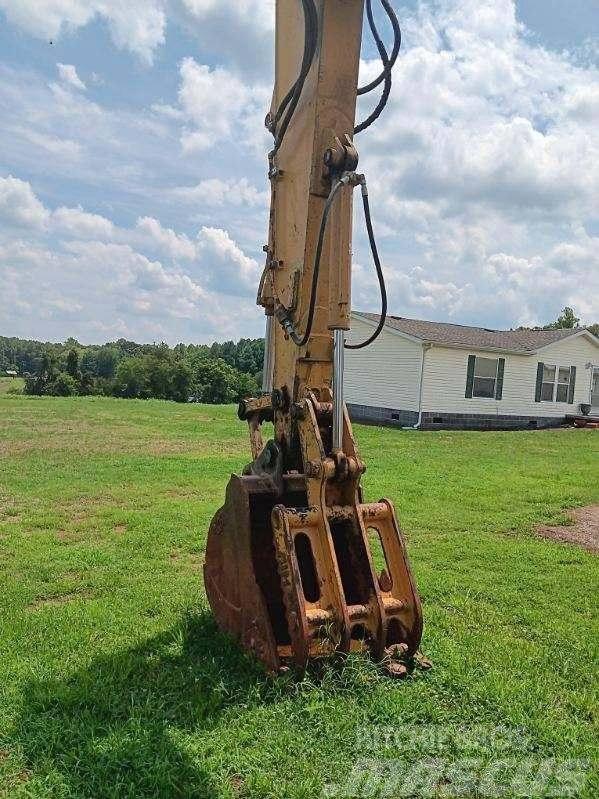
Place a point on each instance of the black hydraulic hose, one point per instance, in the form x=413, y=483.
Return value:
x=379, y=274
x=308, y=22
x=288, y=325
x=396, y=44
x=291, y=99
x=387, y=65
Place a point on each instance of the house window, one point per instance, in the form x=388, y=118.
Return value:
x=485, y=377
x=563, y=384
x=556, y=383
x=548, y=384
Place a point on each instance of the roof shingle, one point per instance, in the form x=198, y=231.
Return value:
x=524, y=341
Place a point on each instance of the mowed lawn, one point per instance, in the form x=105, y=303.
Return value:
x=114, y=681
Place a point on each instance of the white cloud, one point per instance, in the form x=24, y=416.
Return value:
x=140, y=25
x=483, y=170
x=486, y=154
x=218, y=104
x=239, y=32
x=68, y=74
x=233, y=271
x=215, y=191
x=19, y=205
x=137, y=25
x=174, y=245
x=99, y=291
x=77, y=272
x=80, y=224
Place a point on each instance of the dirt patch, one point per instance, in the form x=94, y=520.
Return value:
x=181, y=493
x=59, y=599
x=69, y=537
x=237, y=783
x=584, y=531
x=120, y=529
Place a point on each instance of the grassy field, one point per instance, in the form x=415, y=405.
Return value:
x=114, y=681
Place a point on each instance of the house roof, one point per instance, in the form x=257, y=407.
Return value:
x=525, y=341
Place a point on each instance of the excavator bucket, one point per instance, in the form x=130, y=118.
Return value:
x=293, y=581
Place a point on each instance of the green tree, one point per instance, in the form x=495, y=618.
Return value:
x=180, y=381
x=246, y=360
x=100, y=361
x=86, y=384
x=72, y=367
x=131, y=379
x=107, y=359
x=567, y=319
x=247, y=386
x=62, y=385
x=46, y=374
x=158, y=370
x=214, y=381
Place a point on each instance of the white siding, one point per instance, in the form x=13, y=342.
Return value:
x=444, y=382
x=386, y=374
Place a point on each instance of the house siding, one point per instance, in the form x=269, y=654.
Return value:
x=444, y=383
x=384, y=377
x=382, y=383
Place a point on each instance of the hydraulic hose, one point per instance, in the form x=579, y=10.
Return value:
x=379, y=273
x=396, y=44
x=291, y=99
x=387, y=63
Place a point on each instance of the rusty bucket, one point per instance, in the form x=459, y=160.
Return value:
x=293, y=580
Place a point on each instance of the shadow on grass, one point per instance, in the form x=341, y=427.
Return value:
x=111, y=729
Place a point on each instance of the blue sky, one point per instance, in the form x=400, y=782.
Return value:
x=133, y=195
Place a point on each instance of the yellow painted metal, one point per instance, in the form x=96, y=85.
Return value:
x=326, y=110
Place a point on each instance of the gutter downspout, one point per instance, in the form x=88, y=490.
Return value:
x=427, y=345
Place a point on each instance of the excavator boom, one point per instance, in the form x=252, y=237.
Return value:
x=289, y=567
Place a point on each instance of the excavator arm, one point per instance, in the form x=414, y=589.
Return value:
x=289, y=567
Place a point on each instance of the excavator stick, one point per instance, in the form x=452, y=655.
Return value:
x=290, y=570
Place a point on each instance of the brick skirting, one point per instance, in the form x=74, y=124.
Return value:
x=383, y=416
x=393, y=417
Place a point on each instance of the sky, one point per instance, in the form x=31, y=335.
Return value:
x=133, y=188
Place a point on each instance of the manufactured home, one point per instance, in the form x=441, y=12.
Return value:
x=434, y=375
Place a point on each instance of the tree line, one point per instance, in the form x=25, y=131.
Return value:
x=217, y=373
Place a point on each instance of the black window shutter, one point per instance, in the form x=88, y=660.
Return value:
x=572, y=385
x=499, y=383
x=540, y=367
x=470, y=376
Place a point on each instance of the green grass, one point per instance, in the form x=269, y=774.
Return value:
x=114, y=681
